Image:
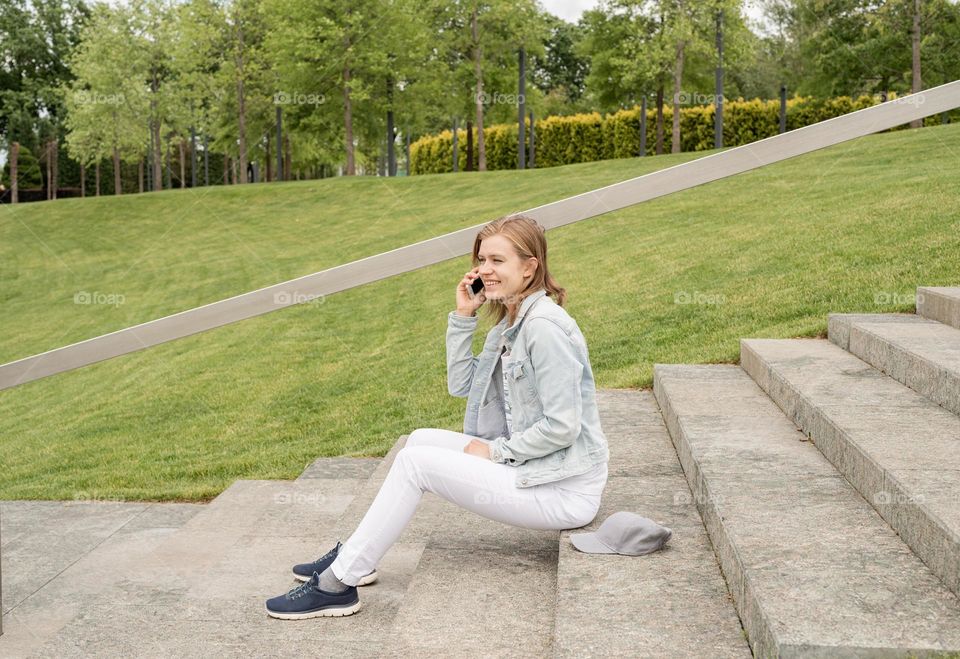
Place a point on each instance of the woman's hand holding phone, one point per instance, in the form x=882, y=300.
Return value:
x=467, y=301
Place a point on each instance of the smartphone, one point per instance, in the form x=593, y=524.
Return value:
x=476, y=286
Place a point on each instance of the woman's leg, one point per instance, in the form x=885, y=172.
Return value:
x=477, y=484
x=439, y=437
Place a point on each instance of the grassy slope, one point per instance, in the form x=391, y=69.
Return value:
x=774, y=250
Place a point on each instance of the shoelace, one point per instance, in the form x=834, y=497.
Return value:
x=301, y=590
x=332, y=552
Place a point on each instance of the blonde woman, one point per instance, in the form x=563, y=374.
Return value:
x=532, y=453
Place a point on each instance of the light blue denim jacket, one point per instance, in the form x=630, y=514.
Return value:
x=556, y=423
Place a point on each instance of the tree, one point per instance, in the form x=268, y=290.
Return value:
x=36, y=37
x=152, y=28
x=561, y=72
x=495, y=32
x=196, y=79
x=244, y=65
x=106, y=101
x=852, y=47
x=639, y=46
x=325, y=49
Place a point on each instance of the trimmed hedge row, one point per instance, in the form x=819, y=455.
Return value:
x=589, y=137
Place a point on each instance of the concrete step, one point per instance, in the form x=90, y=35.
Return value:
x=469, y=580
x=921, y=353
x=201, y=589
x=898, y=448
x=671, y=603
x=814, y=571
x=60, y=557
x=940, y=303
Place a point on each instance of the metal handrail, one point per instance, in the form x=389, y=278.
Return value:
x=458, y=243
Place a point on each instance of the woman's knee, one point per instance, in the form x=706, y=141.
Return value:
x=437, y=437
x=413, y=458
x=418, y=436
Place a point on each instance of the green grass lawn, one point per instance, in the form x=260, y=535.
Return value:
x=767, y=254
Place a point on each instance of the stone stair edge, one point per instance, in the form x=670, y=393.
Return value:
x=923, y=358
x=927, y=533
x=940, y=303
x=740, y=576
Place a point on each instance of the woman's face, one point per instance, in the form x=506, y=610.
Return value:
x=503, y=272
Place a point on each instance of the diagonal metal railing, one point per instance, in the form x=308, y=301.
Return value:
x=458, y=243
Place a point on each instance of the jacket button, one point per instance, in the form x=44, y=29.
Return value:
x=524, y=481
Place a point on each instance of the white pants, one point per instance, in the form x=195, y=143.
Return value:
x=433, y=461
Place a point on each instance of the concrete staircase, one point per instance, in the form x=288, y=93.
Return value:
x=827, y=473
x=813, y=492
x=455, y=584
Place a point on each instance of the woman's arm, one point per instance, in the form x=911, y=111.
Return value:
x=557, y=375
x=461, y=364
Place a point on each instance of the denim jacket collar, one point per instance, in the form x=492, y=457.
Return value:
x=510, y=332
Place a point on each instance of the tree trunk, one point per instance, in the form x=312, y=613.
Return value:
x=117, y=183
x=287, y=160
x=478, y=74
x=83, y=180
x=155, y=128
x=140, y=173
x=660, y=119
x=183, y=163
x=14, y=184
x=915, y=86
x=226, y=169
x=55, y=167
x=677, y=81
x=48, y=161
x=269, y=173
x=469, y=146
x=348, y=115
x=97, y=176
x=241, y=106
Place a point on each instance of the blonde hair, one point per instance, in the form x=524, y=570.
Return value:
x=529, y=240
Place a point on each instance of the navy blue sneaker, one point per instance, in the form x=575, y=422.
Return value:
x=308, y=601
x=304, y=571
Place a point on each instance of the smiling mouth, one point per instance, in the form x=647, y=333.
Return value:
x=490, y=283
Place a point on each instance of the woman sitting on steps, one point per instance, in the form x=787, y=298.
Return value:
x=532, y=453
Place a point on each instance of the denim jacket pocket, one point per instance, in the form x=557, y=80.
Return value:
x=521, y=377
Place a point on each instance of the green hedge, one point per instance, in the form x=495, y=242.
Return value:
x=589, y=137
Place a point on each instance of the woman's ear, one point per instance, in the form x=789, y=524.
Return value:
x=531, y=268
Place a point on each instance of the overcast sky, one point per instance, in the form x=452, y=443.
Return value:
x=570, y=10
